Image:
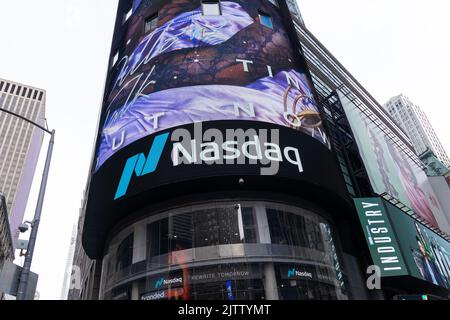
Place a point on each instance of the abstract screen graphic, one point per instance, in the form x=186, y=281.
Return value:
x=388, y=167
x=195, y=67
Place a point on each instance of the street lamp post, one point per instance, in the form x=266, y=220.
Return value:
x=23, y=282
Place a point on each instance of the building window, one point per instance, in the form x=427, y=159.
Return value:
x=211, y=8
x=158, y=237
x=291, y=229
x=151, y=23
x=202, y=228
x=249, y=225
x=265, y=20
x=125, y=253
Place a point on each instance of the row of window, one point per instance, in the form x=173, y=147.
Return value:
x=222, y=226
x=17, y=90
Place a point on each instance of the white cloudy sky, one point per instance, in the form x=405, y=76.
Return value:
x=390, y=46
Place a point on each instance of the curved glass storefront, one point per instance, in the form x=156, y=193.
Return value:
x=226, y=251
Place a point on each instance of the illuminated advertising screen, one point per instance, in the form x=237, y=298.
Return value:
x=206, y=69
x=400, y=245
x=183, y=62
x=390, y=170
x=426, y=253
x=195, y=282
x=168, y=165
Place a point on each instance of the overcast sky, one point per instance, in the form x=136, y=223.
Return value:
x=390, y=46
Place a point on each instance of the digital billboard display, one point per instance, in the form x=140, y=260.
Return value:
x=221, y=65
x=210, y=157
x=400, y=245
x=390, y=169
x=426, y=253
x=183, y=62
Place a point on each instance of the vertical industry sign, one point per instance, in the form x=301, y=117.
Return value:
x=380, y=237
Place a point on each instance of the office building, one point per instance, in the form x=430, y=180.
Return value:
x=416, y=124
x=230, y=148
x=20, y=143
x=6, y=243
x=67, y=282
x=433, y=166
x=378, y=160
x=85, y=273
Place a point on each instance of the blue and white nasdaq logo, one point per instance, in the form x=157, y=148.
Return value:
x=293, y=272
x=161, y=282
x=213, y=147
x=141, y=165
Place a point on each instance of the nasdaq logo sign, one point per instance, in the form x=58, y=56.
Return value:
x=294, y=273
x=291, y=273
x=166, y=282
x=213, y=147
x=140, y=165
x=159, y=283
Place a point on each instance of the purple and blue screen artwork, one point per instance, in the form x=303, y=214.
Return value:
x=195, y=68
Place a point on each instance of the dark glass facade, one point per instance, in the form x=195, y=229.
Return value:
x=165, y=230
x=225, y=250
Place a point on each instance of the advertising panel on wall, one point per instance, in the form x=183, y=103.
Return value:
x=426, y=253
x=188, y=281
x=403, y=243
x=180, y=64
x=390, y=170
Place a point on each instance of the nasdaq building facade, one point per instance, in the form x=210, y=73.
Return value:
x=213, y=175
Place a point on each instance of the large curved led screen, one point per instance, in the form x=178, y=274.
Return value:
x=184, y=61
x=390, y=170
